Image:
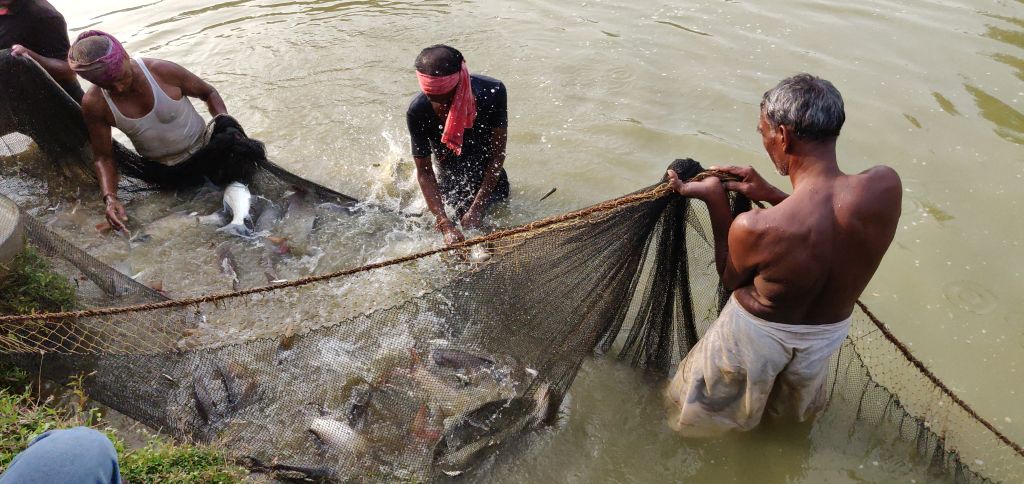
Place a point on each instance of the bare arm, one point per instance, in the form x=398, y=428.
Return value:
x=431, y=193
x=499, y=141
x=58, y=69
x=752, y=185
x=192, y=86
x=94, y=113
x=740, y=264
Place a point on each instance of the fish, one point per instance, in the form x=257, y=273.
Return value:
x=450, y=358
x=227, y=264
x=206, y=406
x=451, y=394
x=298, y=222
x=224, y=390
x=237, y=203
x=239, y=384
x=268, y=218
x=467, y=439
x=479, y=254
x=338, y=435
x=358, y=405
x=327, y=211
x=165, y=227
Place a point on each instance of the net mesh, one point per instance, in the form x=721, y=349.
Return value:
x=329, y=377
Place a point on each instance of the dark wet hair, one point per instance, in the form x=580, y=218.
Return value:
x=439, y=60
x=808, y=105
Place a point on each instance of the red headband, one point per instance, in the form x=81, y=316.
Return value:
x=437, y=85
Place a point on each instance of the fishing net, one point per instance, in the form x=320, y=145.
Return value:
x=335, y=376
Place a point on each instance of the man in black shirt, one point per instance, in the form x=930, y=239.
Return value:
x=33, y=28
x=463, y=120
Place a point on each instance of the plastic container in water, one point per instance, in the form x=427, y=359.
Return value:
x=12, y=235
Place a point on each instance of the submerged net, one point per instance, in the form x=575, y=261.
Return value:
x=330, y=376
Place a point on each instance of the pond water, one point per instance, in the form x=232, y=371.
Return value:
x=602, y=95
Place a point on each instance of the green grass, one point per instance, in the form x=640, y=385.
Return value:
x=32, y=286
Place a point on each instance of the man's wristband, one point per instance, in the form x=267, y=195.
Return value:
x=108, y=195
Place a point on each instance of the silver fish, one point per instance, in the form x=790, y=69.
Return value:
x=338, y=435
x=237, y=203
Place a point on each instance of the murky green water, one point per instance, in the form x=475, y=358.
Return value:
x=602, y=95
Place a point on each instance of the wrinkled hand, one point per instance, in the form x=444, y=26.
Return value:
x=18, y=50
x=116, y=215
x=705, y=189
x=451, y=234
x=471, y=220
x=752, y=185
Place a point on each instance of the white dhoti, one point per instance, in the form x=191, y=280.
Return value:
x=745, y=366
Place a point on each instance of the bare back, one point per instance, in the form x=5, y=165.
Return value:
x=813, y=254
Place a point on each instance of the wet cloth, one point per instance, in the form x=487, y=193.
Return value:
x=106, y=69
x=170, y=133
x=226, y=155
x=462, y=112
x=39, y=27
x=78, y=455
x=745, y=366
x=459, y=175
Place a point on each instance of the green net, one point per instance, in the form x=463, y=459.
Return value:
x=421, y=366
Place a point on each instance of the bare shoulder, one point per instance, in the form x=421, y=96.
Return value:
x=166, y=70
x=881, y=182
x=877, y=195
x=94, y=107
x=752, y=224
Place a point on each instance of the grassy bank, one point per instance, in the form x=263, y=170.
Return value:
x=32, y=287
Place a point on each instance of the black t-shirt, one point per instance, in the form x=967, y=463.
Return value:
x=425, y=128
x=38, y=26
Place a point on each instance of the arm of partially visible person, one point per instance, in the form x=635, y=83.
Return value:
x=58, y=69
x=752, y=185
x=53, y=57
x=473, y=216
x=103, y=160
x=192, y=86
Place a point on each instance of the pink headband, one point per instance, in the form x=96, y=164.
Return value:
x=106, y=69
x=462, y=113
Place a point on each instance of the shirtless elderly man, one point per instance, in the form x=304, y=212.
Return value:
x=796, y=269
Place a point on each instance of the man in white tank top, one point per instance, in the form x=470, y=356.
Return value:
x=147, y=99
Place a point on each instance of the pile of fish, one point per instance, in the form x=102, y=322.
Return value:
x=434, y=412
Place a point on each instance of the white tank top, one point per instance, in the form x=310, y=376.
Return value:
x=170, y=133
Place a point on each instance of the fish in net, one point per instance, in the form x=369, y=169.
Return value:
x=422, y=387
